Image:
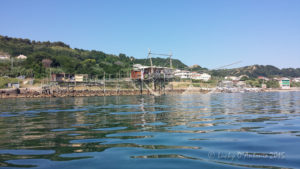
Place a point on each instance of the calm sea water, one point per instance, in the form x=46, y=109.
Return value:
x=250, y=130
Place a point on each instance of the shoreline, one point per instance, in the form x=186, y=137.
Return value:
x=38, y=93
x=60, y=92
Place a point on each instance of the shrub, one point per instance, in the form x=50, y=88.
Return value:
x=5, y=80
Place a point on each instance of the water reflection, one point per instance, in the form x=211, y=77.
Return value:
x=150, y=132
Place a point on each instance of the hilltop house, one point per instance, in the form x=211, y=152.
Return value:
x=21, y=57
x=4, y=57
x=231, y=78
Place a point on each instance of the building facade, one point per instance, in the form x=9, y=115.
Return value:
x=284, y=83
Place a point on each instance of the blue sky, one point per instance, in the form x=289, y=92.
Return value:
x=210, y=33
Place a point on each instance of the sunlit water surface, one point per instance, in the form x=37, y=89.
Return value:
x=252, y=130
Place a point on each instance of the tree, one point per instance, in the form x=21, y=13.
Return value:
x=46, y=63
x=244, y=78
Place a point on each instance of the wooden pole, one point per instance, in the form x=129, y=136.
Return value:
x=119, y=83
x=164, y=83
x=50, y=75
x=104, y=82
x=160, y=80
x=141, y=86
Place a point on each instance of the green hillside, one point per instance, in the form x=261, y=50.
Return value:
x=65, y=59
x=197, y=68
x=62, y=58
x=258, y=70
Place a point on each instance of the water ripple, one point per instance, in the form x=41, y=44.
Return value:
x=196, y=131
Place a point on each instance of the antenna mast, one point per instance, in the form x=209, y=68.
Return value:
x=170, y=56
x=149, y=56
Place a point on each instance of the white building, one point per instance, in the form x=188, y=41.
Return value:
x=203, y=76
x=4, y=57
x=231, y=78
x=21, y=57
x=284, y=83
x=81, y=77
x=183, y=74
x=296, y=79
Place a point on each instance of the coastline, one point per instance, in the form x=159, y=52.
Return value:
x=61, y=92
x=38, y=93
x=297, y=89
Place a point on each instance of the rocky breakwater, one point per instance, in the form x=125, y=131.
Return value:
x=63, y=92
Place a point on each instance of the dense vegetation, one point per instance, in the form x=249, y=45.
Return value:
x=4, y=81
x=295, y=84
x=197, y=68
x=258, y=70
x=59, y=57
x=253, y=82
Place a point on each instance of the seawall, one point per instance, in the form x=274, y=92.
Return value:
x=39, y=93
